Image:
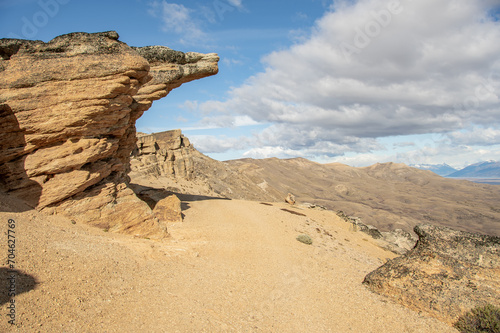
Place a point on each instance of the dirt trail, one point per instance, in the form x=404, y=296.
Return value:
x=231, y=266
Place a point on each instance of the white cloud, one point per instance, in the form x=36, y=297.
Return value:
x=227, y=121
x=475, y=136
x=181, y=119
x=211, y=144
x=231, y=62
x=428, y=66
x=456, y=156
x=267, y=152
x=236, y=3
x=178, y=19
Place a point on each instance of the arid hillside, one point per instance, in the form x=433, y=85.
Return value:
x=388, y=195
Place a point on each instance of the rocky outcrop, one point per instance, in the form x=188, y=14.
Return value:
x=163, y=154
x=448, y=273
x=397, y=240
x=67, y=117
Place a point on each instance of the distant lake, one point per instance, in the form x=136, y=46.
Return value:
x=491, y=181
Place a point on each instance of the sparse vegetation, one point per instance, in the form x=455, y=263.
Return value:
x=305, y=239
x=480, y=319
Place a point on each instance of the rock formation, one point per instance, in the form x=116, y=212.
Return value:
x=169, y=209
x=163, y=154
x=448, y=273
x=67, y=117
x=290, y=199
x=397, y=241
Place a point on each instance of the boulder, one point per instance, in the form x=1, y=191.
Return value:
x=399, y=241
x=168, y=210
x=448, y=273
x=67, y=118
x=290, y=199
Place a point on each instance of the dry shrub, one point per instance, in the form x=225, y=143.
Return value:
x=480, y=319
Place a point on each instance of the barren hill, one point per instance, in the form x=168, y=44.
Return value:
x=387, y=195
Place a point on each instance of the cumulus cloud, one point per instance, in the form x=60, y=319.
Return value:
x=213, y=144
x=191, y=23
x=476, y=136
x=376, y=68
x=179, y=19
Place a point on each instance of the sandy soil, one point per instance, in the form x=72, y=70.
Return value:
x=231, y=266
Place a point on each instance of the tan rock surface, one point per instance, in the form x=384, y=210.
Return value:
x=168, y=209
x=231, y=266
x=67, y=118
x=448, y=273
x=290, y=199
x=166, y=154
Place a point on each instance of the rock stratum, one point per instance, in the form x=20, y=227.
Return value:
x=448, y=273
x=166, y=154
x=67, y=116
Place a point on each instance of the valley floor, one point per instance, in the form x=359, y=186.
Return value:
x=230, y=266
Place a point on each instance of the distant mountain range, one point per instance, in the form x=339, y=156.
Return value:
x=488, y=169
x=440, y=169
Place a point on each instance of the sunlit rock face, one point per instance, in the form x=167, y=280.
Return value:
x=67, y=117
x=167, y=154
x=448, y=273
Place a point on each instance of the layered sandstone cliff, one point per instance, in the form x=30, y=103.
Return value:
x=163, y=154
x=448, y=273
x=67, y=118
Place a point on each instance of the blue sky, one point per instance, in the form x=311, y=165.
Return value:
x=356, y=82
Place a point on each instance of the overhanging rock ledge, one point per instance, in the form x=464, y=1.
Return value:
x=68, y=109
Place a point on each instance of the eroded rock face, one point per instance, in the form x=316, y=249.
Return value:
x=448, y=273
x=169, y=209
x=163, y=154
x=67, y=122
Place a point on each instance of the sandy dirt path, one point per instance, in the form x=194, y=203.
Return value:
x=231, y=266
